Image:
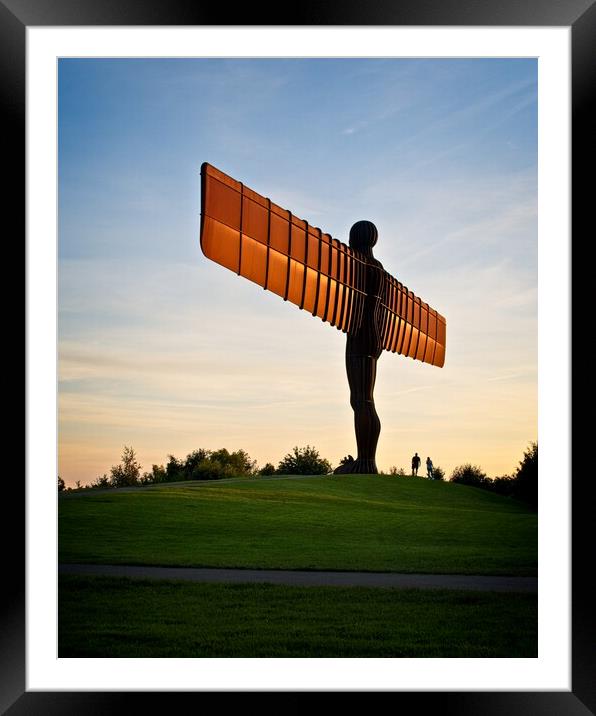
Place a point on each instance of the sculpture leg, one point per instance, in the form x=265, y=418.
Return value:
x=362, y=372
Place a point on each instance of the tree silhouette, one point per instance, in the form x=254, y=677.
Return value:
x=438, y=473
x=267, y=469
x=470, y=475
x=304, y=461
x=128, y=472
x=526, y=476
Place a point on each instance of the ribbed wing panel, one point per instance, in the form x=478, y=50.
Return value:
x=410, y=326
x=250, y=235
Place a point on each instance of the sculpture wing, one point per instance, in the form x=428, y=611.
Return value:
x=250, y=235
x=410, y=326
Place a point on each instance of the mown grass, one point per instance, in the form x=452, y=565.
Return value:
x=355, y=522
x=118, y=617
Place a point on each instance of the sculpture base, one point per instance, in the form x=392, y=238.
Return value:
x=357, y=467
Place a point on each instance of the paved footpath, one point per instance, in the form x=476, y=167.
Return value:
x=310, y=579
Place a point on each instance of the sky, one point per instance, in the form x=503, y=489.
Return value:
x=164, y=350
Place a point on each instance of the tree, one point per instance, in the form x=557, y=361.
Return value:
x=61, y=484
x=238, y=463
x=503, y=485
x=102, y=482
x=128, y=472
x=526, y=476
x=211, y=465
x=438, y=473
x=304, y=461
x=469, y=475
x=204, y=464
x=397, y=472
x=267, y=469
x=158, y=473
x=193, y=460
x=174, y=469
x=213, y=470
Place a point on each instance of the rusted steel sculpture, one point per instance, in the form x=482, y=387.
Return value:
x=342, y=285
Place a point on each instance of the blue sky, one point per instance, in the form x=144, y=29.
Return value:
x=440, y=154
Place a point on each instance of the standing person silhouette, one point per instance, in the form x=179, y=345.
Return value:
x=363, y=348
x=429, y=468
x=415, y=464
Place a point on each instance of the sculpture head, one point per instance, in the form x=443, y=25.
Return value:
x=363, y=236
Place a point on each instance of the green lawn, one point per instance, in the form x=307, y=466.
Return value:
x=109, y=617
x=350, y=522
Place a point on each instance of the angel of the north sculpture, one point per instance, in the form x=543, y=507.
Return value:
x=342, y=285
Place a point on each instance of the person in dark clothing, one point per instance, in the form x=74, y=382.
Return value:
x=415, y=464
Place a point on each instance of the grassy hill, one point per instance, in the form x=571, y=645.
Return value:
x=349, y=522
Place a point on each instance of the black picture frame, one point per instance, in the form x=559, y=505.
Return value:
x=580, y=16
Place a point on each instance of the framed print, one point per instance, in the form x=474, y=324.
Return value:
x=35, y=39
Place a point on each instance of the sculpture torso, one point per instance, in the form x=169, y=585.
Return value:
x=367, y=341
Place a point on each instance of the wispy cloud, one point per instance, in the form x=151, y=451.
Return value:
x=470, y=110
x=512, y=376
